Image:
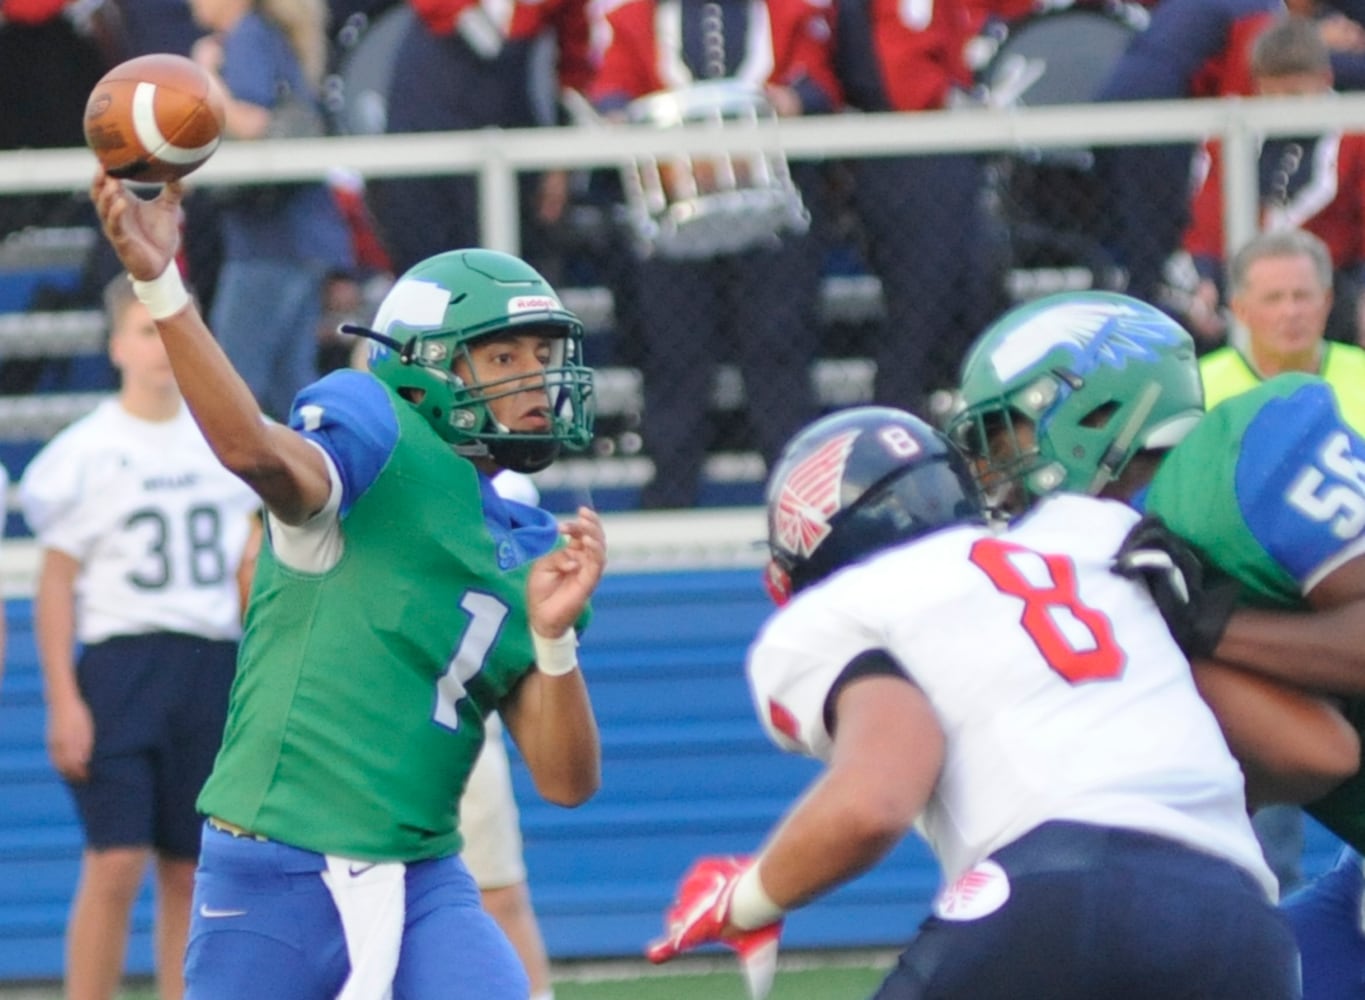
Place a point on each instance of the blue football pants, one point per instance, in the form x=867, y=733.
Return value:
x=265, y=926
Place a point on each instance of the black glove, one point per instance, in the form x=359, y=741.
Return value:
x=1196, y=609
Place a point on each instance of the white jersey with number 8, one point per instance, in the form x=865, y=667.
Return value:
x=1056, y=682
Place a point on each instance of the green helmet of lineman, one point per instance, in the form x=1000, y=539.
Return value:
x=440, y=308
x=1095, y=377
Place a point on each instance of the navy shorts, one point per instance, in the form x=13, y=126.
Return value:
x=159, y=703
x=1093, y=912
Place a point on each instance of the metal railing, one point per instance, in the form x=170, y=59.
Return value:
x=496, y=156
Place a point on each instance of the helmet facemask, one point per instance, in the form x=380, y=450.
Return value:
x=1001, y=440
x=567, y=386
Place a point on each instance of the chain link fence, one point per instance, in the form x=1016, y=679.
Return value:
x=736, y=274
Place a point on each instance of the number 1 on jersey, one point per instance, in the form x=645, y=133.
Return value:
x=1053, y=610
x=486, y=615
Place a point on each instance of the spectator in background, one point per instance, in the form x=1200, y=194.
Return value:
x=146, y=543
x=1316, y=183
x=1341, y=26
x=148, y=26
x=1280, y=287
x=1281, y=296
x=921, y=215
x=351, y=296
x=1191, y=48
x=757, y=305
x=993, y=17
x=157, y=26
x=280, y=242
x=467, y=64
x=52, y=53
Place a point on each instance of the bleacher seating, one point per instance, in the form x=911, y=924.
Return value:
x=75, y=375
x=61, y=352
x=40, y=840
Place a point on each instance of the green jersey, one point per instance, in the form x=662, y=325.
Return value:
x=1270, y=488
x=361, y=691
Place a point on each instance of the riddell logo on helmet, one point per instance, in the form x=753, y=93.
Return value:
x=532, y=303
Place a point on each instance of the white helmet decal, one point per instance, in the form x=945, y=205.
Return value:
x=1090, y=328
x=416, y=303
x=810, y=496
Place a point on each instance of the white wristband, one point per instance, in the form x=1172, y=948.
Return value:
x=750, y=905
x=556, y=657
x=165, y=295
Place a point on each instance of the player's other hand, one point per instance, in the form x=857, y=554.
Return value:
x=70, y=738
x=562, y=581
x=700, y=914
x=144, y=234
x=1196, y=608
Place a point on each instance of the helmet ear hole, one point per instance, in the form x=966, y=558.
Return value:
x=1100, y=415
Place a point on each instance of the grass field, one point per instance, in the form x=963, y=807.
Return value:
x=801, y=976
x=815, y=976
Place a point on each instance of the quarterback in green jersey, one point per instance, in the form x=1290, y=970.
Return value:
x=398, y=602
x=1100, y=393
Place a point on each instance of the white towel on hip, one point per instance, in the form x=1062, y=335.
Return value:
x=370, y=898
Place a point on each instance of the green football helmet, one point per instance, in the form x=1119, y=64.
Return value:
x=1096, y=376
x=440, y=308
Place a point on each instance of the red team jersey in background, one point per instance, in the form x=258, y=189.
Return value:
x=525, y=19
x=918, y=55
x=795, y=52
x=1316, y=184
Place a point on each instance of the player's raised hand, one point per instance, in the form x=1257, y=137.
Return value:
x=701, y=914
x=562, y=581
x=144, y=234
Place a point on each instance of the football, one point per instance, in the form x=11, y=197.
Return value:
x=154, y=118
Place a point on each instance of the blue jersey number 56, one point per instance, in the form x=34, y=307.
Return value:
x=1338, y=500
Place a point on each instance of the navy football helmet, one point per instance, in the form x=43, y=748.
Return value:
x=858, y=481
